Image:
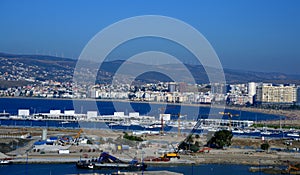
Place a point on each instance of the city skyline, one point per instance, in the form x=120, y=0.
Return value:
x=256, y=36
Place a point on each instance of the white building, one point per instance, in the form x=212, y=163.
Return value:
x=298, y=95
x=276, y=94
x=251, y=91
x=23, y=112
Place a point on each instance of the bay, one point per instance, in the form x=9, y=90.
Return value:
x=36, y=105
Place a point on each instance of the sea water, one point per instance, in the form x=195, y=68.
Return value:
x=63, y=169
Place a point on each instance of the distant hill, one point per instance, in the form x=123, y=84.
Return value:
x=41, y=67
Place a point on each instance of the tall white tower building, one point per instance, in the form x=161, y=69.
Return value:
x=251, y=91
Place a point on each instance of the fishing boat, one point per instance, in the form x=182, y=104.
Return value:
x=266, y=133
x=107, y=161
x=154, y=125
x=237, y=131
x=5, y=162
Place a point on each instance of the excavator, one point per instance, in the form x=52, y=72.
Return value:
x=67, y=140
x=170, y=155
x=175, y=154
x=75, y=139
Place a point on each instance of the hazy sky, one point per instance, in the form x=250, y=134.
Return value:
x=259, y=35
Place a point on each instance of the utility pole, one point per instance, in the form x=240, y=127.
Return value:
x=178, y=126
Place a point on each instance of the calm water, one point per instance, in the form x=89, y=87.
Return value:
x=61, y=169
x=11, y=105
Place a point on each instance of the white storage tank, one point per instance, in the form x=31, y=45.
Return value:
x=134, y=114
x=23, y=112
x=55, y=112
x=119, y=114
x=69, y=112
x=91, y=114
x=166, y=117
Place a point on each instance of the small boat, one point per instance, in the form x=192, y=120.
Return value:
x=155, y=125
x=125, y=124
x=65, y=122
x=212, y=129
x=266, y=133
x=237, y=131
x=113, y=124
x=255, y=131
x=293, y=134
x=5, y=162
x=107, y=161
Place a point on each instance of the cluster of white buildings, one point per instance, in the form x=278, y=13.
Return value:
x=233, y=94
x=170, y=92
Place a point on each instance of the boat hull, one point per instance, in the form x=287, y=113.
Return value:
x=110, y=166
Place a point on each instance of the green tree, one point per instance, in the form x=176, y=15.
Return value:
x=187, y=144
x=265, y=146
x=132, y=138
x=220, y=139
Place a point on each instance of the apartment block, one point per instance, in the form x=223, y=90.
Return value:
x=276, y=94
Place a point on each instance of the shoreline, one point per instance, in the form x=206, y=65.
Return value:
x=230, y=156
x=204, y=159
x=290, y=115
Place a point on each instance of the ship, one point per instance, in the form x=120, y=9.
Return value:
x=107, y=161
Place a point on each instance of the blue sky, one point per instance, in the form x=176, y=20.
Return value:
x=258, y=35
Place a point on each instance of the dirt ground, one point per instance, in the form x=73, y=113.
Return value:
x=255, y=143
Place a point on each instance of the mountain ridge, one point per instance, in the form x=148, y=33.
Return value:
x=61, y=69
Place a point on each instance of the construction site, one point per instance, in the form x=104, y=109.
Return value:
x=40, y=145
x=93, y=148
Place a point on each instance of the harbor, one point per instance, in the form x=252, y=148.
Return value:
x=46, y=147
x=82, y=139
x=52, y=146
x=140, y=124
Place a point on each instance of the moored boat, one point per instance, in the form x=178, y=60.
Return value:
x=266, y=133
x=5, y=162
x=293, y=134
x=107, y=161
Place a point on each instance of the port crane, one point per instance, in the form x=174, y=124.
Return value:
x=175, y=154
x=161, y=110
x=198, y=124
x=66, y=140
x=78, y=135
x=179, y=116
